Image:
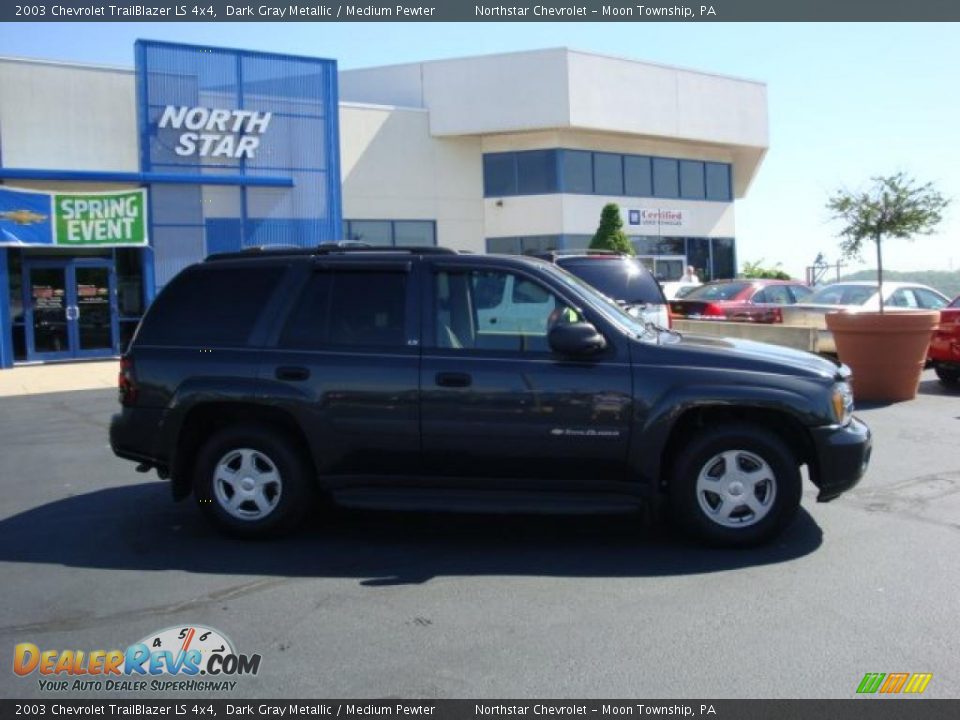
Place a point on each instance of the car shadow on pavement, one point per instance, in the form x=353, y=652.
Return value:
x=138, y=527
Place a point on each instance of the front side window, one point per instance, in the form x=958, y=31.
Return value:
x=495, y=311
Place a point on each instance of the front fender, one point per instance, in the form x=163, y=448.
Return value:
x=657, y=421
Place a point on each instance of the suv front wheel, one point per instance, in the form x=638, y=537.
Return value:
x=251, y=481
x=737, y=486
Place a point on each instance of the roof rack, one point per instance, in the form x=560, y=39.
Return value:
x=333, y=249
x=563, y=253
x=329, y=249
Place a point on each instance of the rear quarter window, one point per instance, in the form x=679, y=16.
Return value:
x=210, y=306
x=621, y=279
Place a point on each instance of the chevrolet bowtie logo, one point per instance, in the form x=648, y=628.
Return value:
x=23, y=217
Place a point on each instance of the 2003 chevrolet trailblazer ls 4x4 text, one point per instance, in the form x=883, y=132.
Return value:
x=381, y=378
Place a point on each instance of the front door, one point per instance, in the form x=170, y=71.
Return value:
x=497, y=404
x=70, y=309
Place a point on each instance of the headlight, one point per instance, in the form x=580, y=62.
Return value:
x=842, y=402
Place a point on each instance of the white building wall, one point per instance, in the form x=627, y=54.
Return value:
x=68, y=117
x=393, y=169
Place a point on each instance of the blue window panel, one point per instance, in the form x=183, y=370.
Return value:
x=499, y=174
x=290, y=142
x=666, y=178
x=282, y=231
x=724, y=258
x=414, y=233
x=176, y=204
x=285, y=84
x=607, y=174
x=537, y=172
x=637, y=176
x=224, y=235
x=691, y=180
x=503, y=245
x=373, y=232
x=576, y=172
x=718, y=181
x=174, y=249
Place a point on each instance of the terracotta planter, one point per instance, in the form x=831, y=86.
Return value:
x=886, y=352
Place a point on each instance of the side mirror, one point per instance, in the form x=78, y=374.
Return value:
x=576, y=339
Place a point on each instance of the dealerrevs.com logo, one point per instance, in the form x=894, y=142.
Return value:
x=173, y=659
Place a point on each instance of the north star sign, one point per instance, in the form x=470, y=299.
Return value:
x=213, y=132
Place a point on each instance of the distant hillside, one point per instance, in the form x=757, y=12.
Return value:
x=946, y=281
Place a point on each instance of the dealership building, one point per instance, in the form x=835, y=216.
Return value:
x=112, y=180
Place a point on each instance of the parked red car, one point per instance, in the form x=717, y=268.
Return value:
x=746, y=300
x=945, y=345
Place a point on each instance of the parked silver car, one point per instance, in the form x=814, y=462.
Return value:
x=861, y=296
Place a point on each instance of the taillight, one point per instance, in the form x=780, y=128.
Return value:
x=713, y=310
x=127, y=382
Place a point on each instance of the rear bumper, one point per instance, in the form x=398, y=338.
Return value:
x=945, y=349
x=843, y=454
x=133, y=435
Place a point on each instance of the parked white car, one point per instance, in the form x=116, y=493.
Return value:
x=861, y=296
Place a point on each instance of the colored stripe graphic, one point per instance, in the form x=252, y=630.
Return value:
x=871, y=682
x=918, y=682
x=894, y=682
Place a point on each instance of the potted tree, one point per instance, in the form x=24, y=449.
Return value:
x=885, y=350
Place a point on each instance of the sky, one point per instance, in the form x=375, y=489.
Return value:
x=847, y=102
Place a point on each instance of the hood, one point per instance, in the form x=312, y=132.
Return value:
x=736, y=354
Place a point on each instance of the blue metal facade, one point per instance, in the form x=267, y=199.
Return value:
x=300, y=145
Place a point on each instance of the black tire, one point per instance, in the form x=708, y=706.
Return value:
x=948, y=376
x=744, y=527
x=273, y=456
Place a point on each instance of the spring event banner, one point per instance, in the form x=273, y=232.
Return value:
x=101, y=219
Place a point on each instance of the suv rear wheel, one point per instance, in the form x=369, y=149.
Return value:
x=736, y=486
x=251, y=481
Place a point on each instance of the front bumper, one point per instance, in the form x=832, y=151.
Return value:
x=843, y=453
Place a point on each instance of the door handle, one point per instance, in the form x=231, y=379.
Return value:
x=454, y=379
x=292, y=373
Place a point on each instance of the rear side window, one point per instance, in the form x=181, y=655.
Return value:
x=773, y=294
x=349, y=310
x=210, y=306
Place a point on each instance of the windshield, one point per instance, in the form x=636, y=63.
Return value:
x=842, y=295
x=601, y=303
x=718, y=291
x=955, y=303
x=623, y=279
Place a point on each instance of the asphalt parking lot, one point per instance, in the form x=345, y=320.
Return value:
x=96, y=556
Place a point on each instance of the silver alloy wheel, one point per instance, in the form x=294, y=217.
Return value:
x=247, y=484
x=736, y=488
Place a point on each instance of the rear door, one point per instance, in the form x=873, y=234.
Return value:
x=345, y=361
x=498, y=406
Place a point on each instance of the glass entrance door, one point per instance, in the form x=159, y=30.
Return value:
x=70, y=309
x=92, y=307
